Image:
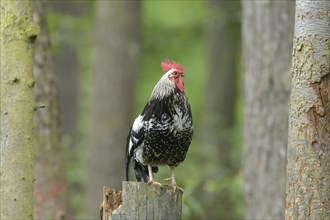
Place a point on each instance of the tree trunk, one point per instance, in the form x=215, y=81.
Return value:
x=267, y=42
x=219, y=114
x=308, y=165
x=18, y=33
x=72, y=68
x=50, y=177
x=116, y=66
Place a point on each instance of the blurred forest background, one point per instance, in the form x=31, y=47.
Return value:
x=205, y=38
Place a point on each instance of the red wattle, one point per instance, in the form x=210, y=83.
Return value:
x=180, y=84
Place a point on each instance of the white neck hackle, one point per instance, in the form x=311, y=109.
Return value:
x=164, y=86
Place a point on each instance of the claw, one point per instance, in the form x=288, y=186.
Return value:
x=175, y=187
x=154, y=183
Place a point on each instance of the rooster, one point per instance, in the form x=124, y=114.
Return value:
x=162, y=133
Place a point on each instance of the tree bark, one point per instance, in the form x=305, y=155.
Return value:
x=308, y=163
x=50, y=189
x=267, y=41
x=116, y=66
x=18, y=33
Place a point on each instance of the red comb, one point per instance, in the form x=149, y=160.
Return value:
x=167, y=65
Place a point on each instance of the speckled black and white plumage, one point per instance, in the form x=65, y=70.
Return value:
x=162, y=133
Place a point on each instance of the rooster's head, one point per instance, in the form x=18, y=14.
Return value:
x=170, y=81
x=174, y=72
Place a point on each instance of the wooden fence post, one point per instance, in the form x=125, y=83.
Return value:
x=143, y=201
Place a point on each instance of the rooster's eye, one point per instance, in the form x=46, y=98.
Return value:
x=173, y=75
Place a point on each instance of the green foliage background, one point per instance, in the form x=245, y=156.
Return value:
x=170, y=30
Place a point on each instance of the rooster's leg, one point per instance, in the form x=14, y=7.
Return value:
x=173, y=182
x=172, y=178
x=151, y=178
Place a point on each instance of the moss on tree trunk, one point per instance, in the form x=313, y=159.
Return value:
x=18, y=33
